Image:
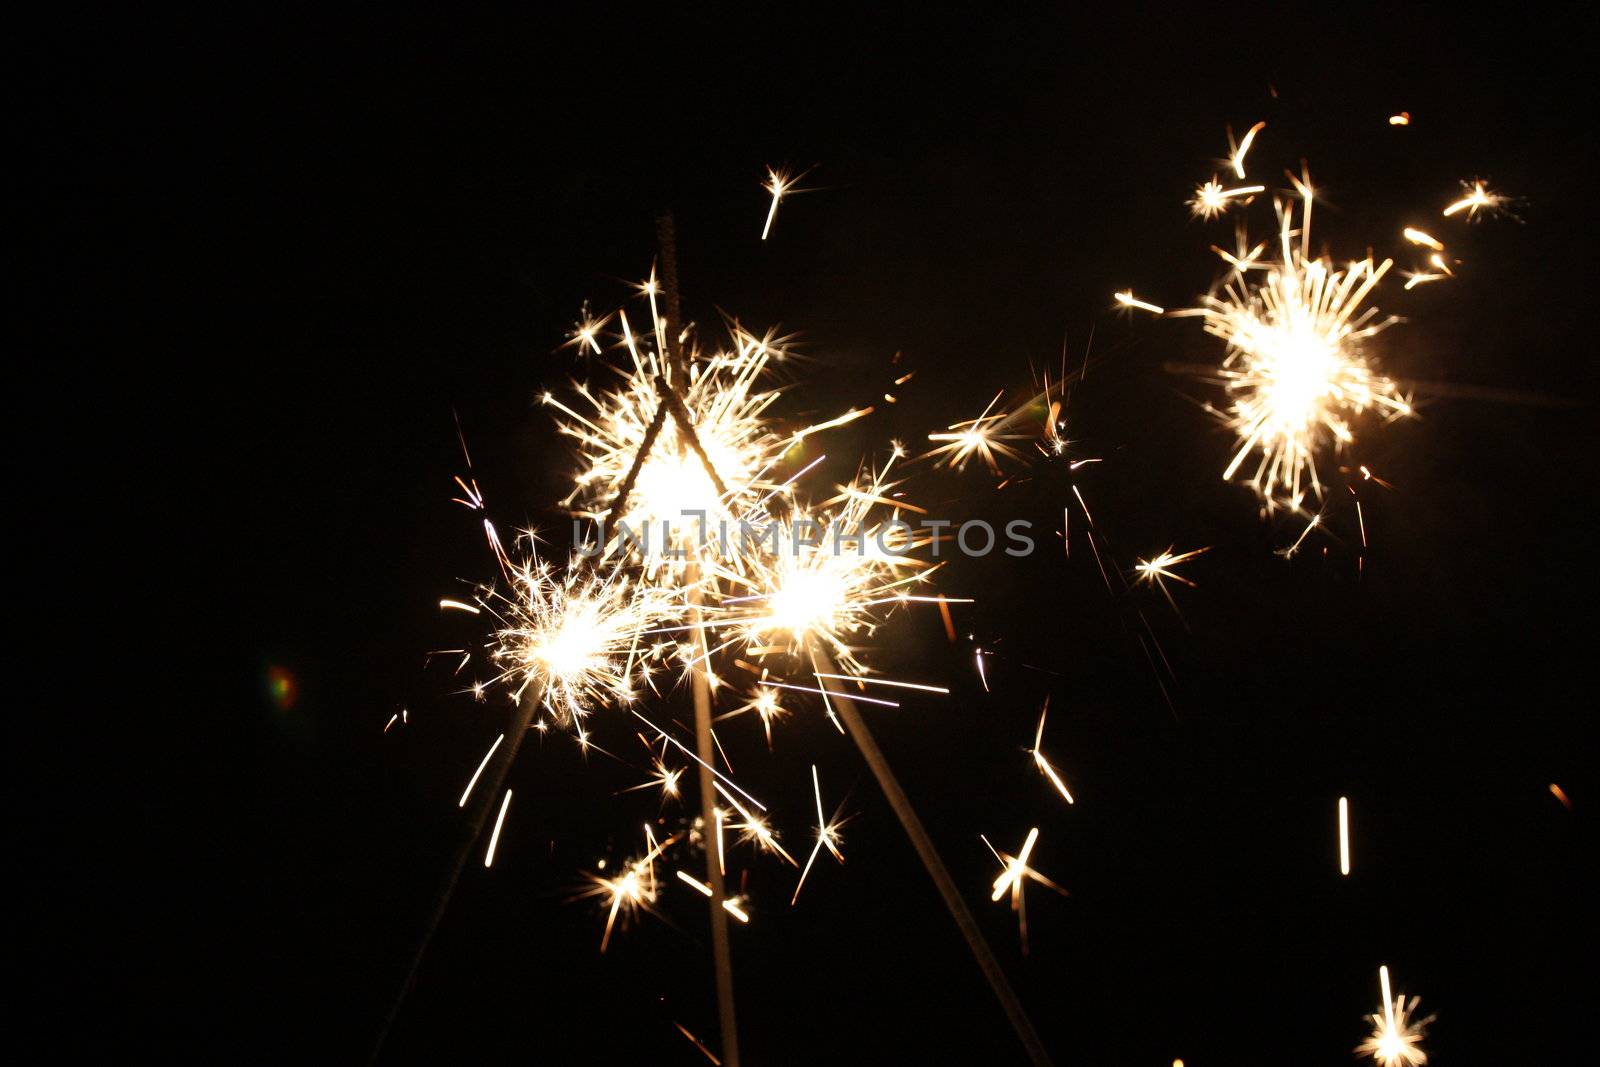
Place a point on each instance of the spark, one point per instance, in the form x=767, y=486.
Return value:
x=1396, y=1039
x=1344, y=835
x=729, y=904
x=777, y=184
x=474, y=781
x=827, y=837
x=1244, y=257
x=1128, y=300
x=1211, y=199
x=584, y=333
x=1039, y=760
x=825, y=692
x=1289, y=553
x=981, y=437
x=664, y=778
x=494, y=838
x=456, y=605
x=1157, y=570
x=753, y=828
x=633, y=890
x=1236, y=152
x=1420, y=237
x=1403, y=118
x=695, y=1041
x=1014, y=875
x=886, y=681
x=764, y=702
x=1478, y=199
x=1561, y=795
x=1421, y=277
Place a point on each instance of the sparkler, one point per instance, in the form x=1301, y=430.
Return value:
x=1396, y=1039
x=682, y=433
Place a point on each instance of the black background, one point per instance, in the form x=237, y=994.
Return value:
x=282, y=244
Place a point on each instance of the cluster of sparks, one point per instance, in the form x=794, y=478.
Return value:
x=1299, y=369
x=683, y=448
x=680, y=432
x=575, y=634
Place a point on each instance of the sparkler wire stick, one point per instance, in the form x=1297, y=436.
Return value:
x=721, y=950
x=935, y=865
x=705, y=744
x=522, y=719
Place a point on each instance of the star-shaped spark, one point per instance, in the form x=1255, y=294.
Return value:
x=827, y=836
x=983, y=437
x=1157, y=570
x=1014, y=875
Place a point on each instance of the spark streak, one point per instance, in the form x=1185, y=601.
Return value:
x=474, y=781
x=1128, y=300
x=777, y=184
x=494, y=838
x=1344, y=835
x=1044, y=764
x=827, y=837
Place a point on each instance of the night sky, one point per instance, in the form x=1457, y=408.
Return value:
x=285, y=250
